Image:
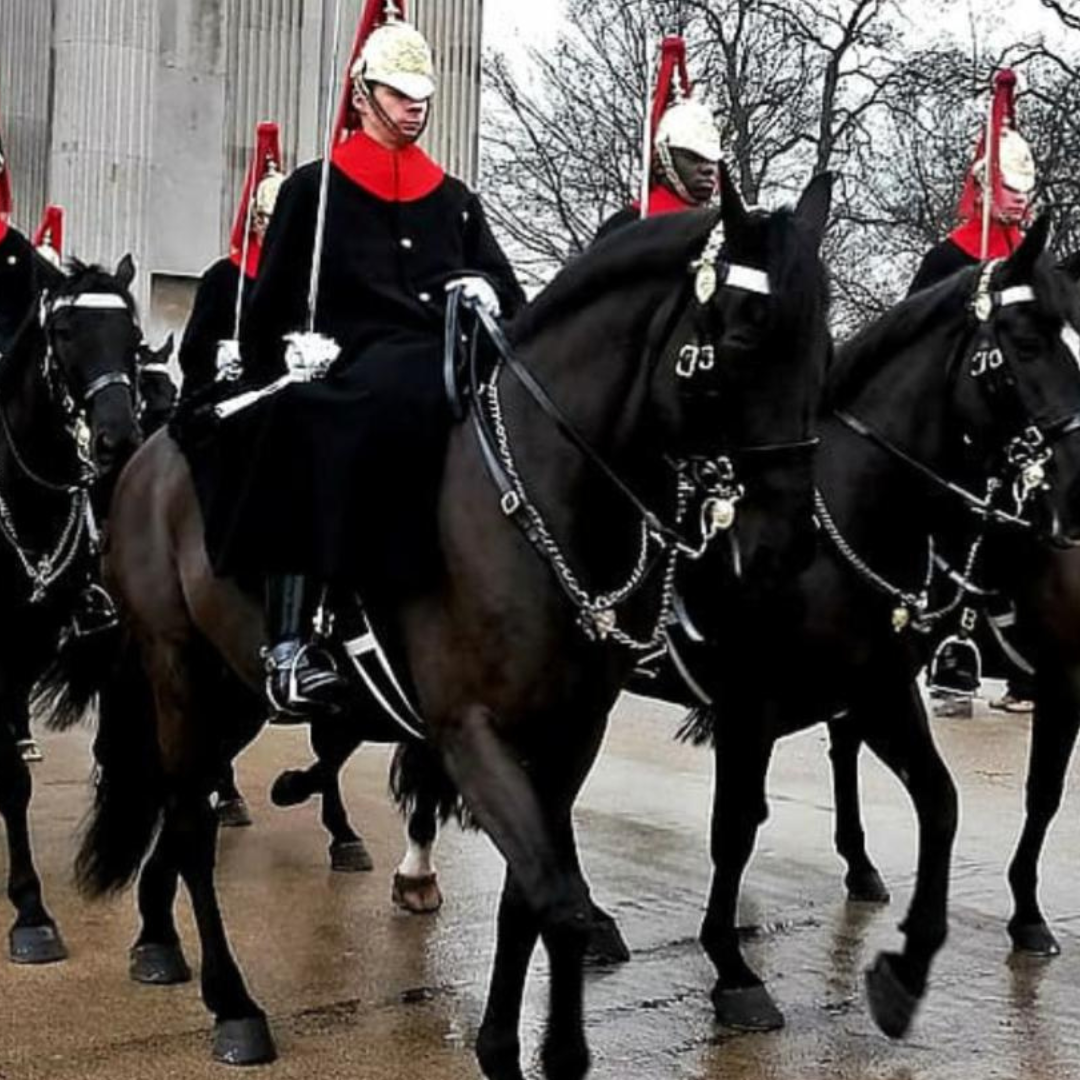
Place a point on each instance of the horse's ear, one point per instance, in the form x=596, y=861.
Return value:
x=1070, y=265
x=1032, y=246
x=125, y=271
x=814, y=204
x=731, y=205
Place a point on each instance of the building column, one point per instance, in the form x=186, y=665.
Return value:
x=102, y=128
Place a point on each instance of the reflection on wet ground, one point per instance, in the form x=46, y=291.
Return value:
x=355, y=989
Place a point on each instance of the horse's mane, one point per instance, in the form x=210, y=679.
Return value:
x=870, y=349
x=662, y=246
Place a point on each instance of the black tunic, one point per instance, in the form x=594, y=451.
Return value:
x=338, y=478
x=23, y=273
x=941, y=261
x=213, y=319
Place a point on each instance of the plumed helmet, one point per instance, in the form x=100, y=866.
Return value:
x=266, y=194
x=49, y=237
x=689, y=125
x=1015, y=161
x=397, y=55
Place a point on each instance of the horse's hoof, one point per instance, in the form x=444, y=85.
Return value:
x=866, y=887
x=233, y=813
x=565, y=1058
x=350, y=857
x=36, y=945
x=1035, y=939
x=746, y=1008
x=244, y=1042
x=158, y=965
x=605, y=945
x=420, y=895
x=290, y=789
x=891, y=1003
x=499, y=1056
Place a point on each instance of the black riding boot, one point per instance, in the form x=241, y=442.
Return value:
x=301, y=679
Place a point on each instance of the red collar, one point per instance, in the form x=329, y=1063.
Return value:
x=394, y=175
x=3, y=229
x=662, y=200
x=254, y=254
x=1004, y=239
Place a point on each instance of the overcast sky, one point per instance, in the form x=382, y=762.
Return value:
x=512, y=24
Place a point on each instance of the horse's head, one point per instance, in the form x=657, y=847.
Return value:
x=92, y=332
x=1017, y=389
x=157, y=391
x=749, y=373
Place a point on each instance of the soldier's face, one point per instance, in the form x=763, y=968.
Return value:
x=397, y=121
x=1013, y=206
x=699, y=175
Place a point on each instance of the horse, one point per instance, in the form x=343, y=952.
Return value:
x=67, y=422
x=1048, y=601
x=667, y=382
x=948, y=423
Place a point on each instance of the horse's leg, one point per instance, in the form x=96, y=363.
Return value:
x=864, y=883
x=739, y=997
x=535, y=838
x=1054, y=728
x=34, y=938
x=416, y=883
x=232, y=808
x=157, y=957
x=901, y=738
x=241, y=1032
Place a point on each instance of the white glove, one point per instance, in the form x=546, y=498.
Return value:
x=228, y=360
x=309, y=355
x=479, y=290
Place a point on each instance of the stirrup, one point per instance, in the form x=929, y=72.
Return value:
x=29, y=751
x=310, y=688
x=95, y=612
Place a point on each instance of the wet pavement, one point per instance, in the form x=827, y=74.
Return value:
x=357, y=990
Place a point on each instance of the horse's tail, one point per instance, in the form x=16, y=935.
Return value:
x=128, y=799
x=699, y=727
x=416, y=774
x=83, y=664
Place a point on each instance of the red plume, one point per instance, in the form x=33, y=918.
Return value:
x=1002, y=114
x=373, y=17
x=51, y=230
x=6, y=200
x=267, y=150
x=672, y=62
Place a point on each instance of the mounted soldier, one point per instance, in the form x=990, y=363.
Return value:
x=210, y=348
x=994, y=211
x=49, y=237
x=681, y=160
x=310, y=475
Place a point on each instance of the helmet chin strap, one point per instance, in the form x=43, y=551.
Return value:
x=367, y=92
x=671, y=174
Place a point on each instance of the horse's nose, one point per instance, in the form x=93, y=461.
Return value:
x=105, y=448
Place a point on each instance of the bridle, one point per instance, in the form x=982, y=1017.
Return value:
x=44, y=570
x=710, y=480
x=1024, y=457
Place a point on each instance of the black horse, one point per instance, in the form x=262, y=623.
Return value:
x=653, y=374
x=951, y=419
x=1047, y=596
x=67, y=422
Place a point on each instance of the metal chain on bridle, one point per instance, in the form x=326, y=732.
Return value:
x=44, y=570
x=1025, y=456
x=713, y=479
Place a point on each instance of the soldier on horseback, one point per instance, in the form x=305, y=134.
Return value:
x=681, y=161
x=994, y=210
x=311, y=470
x=209, y=348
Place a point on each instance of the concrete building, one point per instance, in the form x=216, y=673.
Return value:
x=137, y=116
